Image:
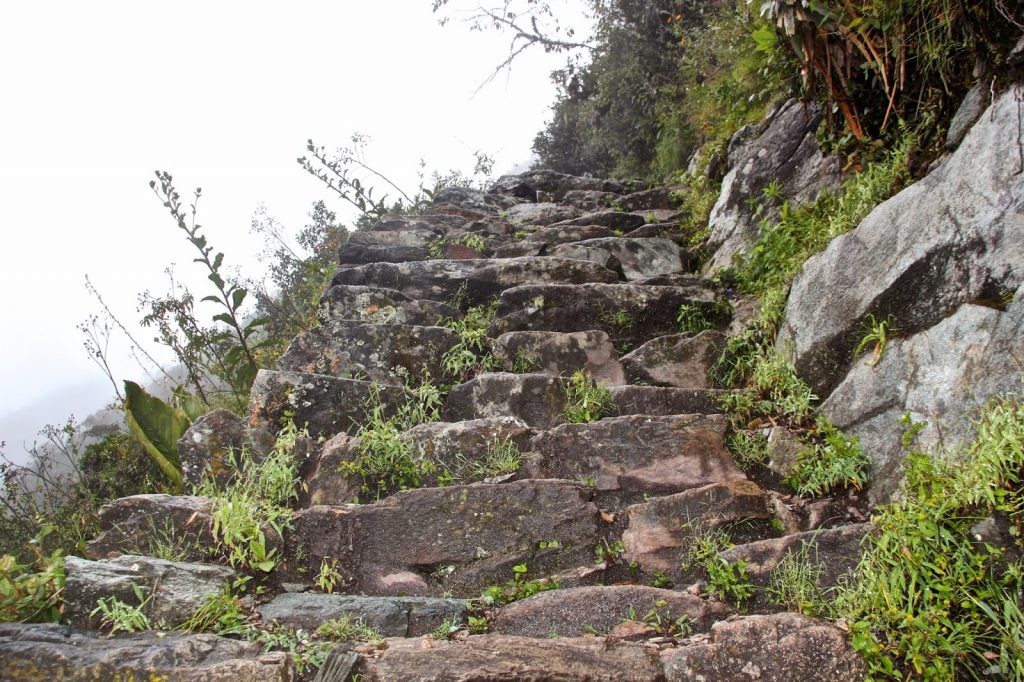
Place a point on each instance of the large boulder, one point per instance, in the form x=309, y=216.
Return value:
x=56, y=652
x=941, y=376
x=172, y=590
x=776, y=648
x=786, y=153
x=956, y=236
x=540, y=214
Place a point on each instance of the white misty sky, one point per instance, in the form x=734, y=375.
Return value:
x=96, y=96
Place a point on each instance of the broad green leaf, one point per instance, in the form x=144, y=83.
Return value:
x=158, y=426
x=189, y=404
x=237, y=296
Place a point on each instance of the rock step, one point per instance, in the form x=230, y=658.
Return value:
x=661, y=531
x=773, y=648
x=675, y=360
x=380, y=306
x=389, y=616
x=57, y=652
x=325, y=405
x=539, y=399
x=634, y=259
x=388, y=354
x=621, y=458
x=455, y=540
x=560, y=354
x=629, y=313
x=578, y=611
x=626, y=458
x=478, y=281
x=461, y=452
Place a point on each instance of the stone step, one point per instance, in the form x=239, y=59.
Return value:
x=389, y=246
x=173, y=590
x=455, y=540
x=636, y=259
x=675, y=360
x=460, y=452
x=324, y=405
x=629, y=313
x=57, y=652
x=478, y=281
x=615, y=220
x=540, y=214
x=503, y=658
x=829, y=553
x=389, y=616
x=539, y=399
x=380, y=306
x=138, y=524
x=657, y=400
x=556, y=185
x=598, y=610
x=773, y=648
x=391, y=354
x=560, y=354
x=661, y=531
x=626, y=458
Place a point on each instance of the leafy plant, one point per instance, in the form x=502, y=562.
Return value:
x=328, y=577
x=348, y=629
x=121, y=617
x=502, y=457
x=749, y=448
x=729, y=579
x=221, y=613
x=795, y=583
x=235, y=347
x=478, y=625
x=692, y=318
x=928, y=600
x=385, y=460
x=831, y=461
x=520, y=587
x=586, y=400
x=31, y=593
x=661, y=620
x=256, y=498
x=877, y=332
x=158, y=426
x=471, y=354
x=447, y=628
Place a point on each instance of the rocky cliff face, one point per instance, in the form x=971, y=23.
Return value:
x=601, y=509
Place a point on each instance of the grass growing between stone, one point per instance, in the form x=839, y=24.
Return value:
x=386, y=461
x=257, y=498
x=931, y=599
x=586, y=399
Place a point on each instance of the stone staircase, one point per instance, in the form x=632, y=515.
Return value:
x=583, y=274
